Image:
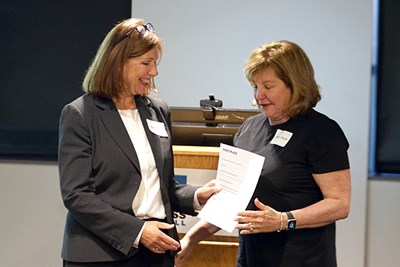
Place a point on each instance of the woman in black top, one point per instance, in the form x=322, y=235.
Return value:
x=304, y=186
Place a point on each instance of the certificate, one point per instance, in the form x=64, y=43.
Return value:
x=237, y=175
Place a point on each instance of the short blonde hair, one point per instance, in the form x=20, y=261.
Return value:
x=293, y=67
x=104, y=76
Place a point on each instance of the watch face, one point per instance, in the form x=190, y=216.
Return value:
x=291, y=224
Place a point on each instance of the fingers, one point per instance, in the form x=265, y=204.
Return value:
x=247, y=216
x=206, y=191
x=248, y=228
x=256, y=221
x=263, y=209
x=212, y=187
x=155, y=239
x=165, y=226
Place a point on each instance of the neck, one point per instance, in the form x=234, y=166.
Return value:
x=125, y=102
x=278, y=120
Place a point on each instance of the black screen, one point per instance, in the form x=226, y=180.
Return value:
x=388, y=89
x=46, y=47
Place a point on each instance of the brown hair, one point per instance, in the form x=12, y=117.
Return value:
x=104, y=76
x=293, y=67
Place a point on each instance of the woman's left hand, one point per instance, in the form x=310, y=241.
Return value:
x=258, y=221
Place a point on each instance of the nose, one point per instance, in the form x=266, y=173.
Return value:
x=153, y=71
x=258, y=94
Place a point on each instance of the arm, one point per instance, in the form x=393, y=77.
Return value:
x=335, y=205
x=336, y=190
x=200, y=231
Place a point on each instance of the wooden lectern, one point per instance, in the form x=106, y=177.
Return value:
x=217, y=251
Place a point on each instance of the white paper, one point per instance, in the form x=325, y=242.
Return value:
x=238, y=173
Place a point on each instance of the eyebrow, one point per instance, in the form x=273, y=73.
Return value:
x=268, y=81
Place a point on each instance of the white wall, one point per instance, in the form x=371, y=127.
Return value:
x=32, y=214
x=383, y=237
x=204, y=53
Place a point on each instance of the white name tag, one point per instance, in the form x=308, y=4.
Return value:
x=281, y=138
x=157, y=128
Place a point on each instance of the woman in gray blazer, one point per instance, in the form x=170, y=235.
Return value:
x=116, y=162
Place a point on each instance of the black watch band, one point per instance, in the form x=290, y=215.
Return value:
x=291, y=223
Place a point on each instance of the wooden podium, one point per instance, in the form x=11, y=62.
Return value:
x=217, y=251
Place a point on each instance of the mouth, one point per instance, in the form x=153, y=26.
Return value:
x=145, y=81
x=264, y=104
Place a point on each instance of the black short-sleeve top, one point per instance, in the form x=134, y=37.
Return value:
x=313, y=144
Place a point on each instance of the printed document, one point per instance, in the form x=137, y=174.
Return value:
x=237, y=175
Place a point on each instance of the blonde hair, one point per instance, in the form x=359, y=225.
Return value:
x=293, y=67
x=104, y=76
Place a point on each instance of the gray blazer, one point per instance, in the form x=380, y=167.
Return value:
x=100, y=175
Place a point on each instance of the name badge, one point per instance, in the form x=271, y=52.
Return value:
x=281, y=138
x=157, y=128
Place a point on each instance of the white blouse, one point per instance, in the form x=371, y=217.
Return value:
x=147, y=202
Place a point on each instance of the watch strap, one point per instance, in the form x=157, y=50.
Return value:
x=289, y=215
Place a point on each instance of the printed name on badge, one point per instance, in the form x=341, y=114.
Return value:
x=281, y=138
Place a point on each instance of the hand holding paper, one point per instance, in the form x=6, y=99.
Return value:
x=237, y=175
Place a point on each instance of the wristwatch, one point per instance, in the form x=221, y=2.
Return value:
x=291, y=223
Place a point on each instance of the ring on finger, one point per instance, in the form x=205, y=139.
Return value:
x=251, y=227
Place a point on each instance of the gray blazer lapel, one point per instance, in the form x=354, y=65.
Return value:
x=147, y=112
x=115, y=126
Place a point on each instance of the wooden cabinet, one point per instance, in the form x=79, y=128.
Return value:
x=217, y=251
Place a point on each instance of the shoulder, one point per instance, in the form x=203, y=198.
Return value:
x=85, y=107
x=88, y=103
x=252, y=124
x=324, y=129
x=80, y=103
x=321, y=122
x=158, y=102
x=254, y=120
x=76, y=105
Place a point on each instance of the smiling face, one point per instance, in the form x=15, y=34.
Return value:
x=272, y=95
x=138, y=72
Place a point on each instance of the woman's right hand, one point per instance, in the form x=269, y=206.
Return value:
x=156, y=240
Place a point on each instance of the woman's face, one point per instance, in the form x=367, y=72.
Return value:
x=138, y=71
x=272, y=95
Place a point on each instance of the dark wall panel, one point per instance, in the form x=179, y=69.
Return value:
x=388, y=89
x=45, y=48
